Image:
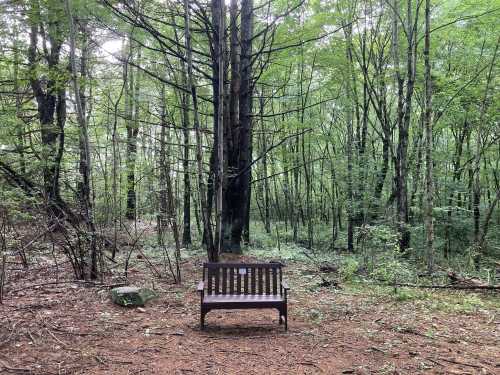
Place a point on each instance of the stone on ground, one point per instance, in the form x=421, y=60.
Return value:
x=132, y=296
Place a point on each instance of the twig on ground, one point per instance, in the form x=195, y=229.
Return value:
x=2, y=276
x=65, y=346
x=239, y=352
x=461, y=363
x=14, y=369
x=90, y=283
x=434, y=361
x=449, y=286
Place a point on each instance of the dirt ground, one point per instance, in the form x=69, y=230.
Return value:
x=70, y=328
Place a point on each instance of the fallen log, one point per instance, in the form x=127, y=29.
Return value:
x=449, y=286
x=458, y=279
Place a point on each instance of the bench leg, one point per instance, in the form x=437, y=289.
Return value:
x=285, y=314
x=202, y=318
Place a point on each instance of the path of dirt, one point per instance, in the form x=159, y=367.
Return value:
x=71, y=329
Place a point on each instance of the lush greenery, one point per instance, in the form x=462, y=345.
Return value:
x=356, y=127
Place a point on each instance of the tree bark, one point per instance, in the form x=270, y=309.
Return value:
x=132, y=125
x=51, y=103
x=478, y=237
x=403, y=119
x=242, y=181
x=85, y=153
x=350, y=140
x=220, y=131
x=212, y=253
x=429, y=178
x=186, y=231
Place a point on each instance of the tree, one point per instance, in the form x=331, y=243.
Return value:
x=50, y=94
x=429, y=183
x=85, y=152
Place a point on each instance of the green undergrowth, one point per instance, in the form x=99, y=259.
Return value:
x=450, y=301
x=369, y=273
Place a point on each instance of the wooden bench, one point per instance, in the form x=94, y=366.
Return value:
x=243, y=286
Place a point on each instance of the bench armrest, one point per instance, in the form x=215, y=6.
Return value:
x=201, y=287
x=284, y=285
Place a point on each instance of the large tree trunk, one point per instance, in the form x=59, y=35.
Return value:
x=231, y=134
x=51, y=101
x=241, y=182
x=220, y=131
x=217, y=7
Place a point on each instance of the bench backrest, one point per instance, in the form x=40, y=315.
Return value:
x=243, y=278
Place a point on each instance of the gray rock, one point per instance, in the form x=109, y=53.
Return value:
x=132, y=296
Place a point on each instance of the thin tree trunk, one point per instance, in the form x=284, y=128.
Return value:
x=403, y=119
x=220, y=132
x=212, y=253
x=350, y=140
x=478, y=238
x=132, y=124
x=267, y=220
x=20, y=123
x=85, y=153
x=429, y=183
x=456, y=177
x=186, y=232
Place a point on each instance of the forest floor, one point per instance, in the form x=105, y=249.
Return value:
x=70, y=328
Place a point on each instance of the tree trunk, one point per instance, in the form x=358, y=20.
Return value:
x=478, y=237
x=350, y=140
x=85, y=153
x=132, y=125
x=403, y=120
x=429, y=183
x=212, y=253
x=220, y=130
x=19, y=120
x=186, y=232
x=242, y=181
x=51, y=101
x=267, y=220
